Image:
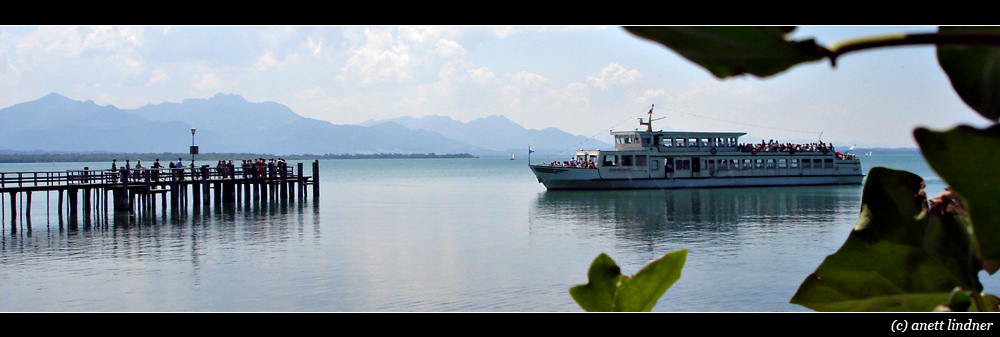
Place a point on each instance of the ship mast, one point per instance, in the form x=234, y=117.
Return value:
x=649, y=124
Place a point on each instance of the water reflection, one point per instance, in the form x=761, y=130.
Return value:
x=650, y=216
x=267, y=222
x=754, y=245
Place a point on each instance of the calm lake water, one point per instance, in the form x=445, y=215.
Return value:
x=428, y=235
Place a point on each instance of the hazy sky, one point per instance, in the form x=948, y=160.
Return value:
x=584, y=80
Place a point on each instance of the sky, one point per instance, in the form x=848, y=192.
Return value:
x=585, y=80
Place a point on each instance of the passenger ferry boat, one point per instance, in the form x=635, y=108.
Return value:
x=667, y=160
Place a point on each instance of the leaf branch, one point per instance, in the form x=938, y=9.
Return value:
x=979, y=39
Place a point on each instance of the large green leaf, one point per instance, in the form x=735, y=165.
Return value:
x=968, y=159
x=732, y=50
x=899, y=256
x=608, y=290
x=600, y=292
x=974, y=71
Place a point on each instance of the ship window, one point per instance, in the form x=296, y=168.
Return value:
x=735, y=164
x=817, y=163
x=684, y=164
x=770, y=163
x=828, y=163
x=806, y=163
x=645, y=141
x=782, y=163
x=692, y=142
x=746, y=164
x=723, y=164
x=705, y=142
x=626, y=160
x=759, y=163
x=640, y=161
x=794, y=163
x=610, y=160
x=680, y=142
x=668, y=142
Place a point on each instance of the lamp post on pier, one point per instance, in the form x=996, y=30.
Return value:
x=194, y=149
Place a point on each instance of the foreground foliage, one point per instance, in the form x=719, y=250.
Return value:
x=608, y=290
x=906, y=253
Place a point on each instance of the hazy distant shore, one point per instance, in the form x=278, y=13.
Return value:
x=204, y=158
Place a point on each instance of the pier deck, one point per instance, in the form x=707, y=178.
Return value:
x=136, y=188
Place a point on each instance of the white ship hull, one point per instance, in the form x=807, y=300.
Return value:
x=567, y=178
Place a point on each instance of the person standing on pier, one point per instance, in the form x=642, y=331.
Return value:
x=180, y=169
x=138, y=170
x=126, y=171
x=156, y=170
x=114, y=170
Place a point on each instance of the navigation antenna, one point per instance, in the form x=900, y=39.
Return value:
x=649, y=124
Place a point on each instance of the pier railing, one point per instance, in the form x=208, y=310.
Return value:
x=56, y=179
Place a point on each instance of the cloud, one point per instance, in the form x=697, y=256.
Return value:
x=268, y=61
x=614, y=74
x=528, y=80
x=379, y=59
x=482, y=75
x=208, y=82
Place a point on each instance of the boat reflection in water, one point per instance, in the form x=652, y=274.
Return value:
x=753, y=244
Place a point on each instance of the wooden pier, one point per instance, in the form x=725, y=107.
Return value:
x=136, y=190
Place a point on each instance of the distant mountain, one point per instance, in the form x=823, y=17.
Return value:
x=499, y=134
x=229, y=123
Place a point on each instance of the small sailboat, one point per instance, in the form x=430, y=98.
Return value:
x=512, y=156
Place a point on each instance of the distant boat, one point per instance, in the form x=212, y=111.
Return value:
x=512, y=156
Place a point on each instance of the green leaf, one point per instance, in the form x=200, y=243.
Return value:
x=974, y=71
x=609, y=290
x=899, y=257
x=968, y=159
x=642, y=291
x=601, y=290
x=731, y=51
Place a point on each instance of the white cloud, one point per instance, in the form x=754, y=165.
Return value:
x=574, y=95
x=378, y=59
x=528, y=80
x=316, y=47
x=208, y=82
x=482, y=75
x=614, y=74
x=450, y=49
x=650, y=96
x=268, y=61
x=157, y=77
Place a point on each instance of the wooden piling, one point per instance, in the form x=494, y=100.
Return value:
x=315, y=179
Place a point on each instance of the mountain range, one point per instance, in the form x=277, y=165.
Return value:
x=227, y=123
